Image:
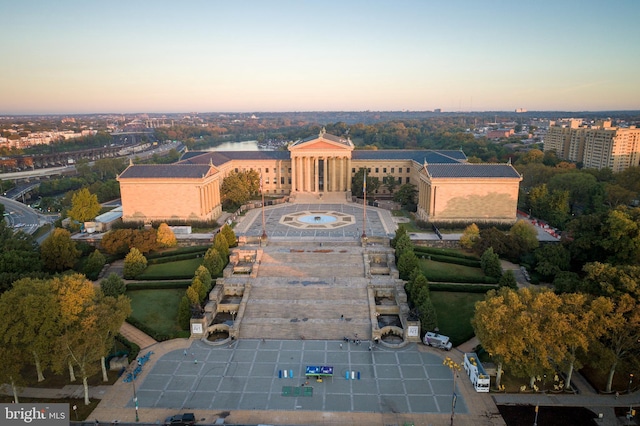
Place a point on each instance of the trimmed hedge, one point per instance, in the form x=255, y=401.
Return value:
x=167, y=259
x=448, y=259
x=443, y=252
x=153, y=285
x=178, y=251
x=462, y=288
x=447, y=278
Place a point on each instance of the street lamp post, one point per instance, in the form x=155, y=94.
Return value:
x=454, y=367
x=629, y=415
x=135, y=396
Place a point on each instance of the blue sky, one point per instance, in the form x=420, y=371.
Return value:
x=174, y=56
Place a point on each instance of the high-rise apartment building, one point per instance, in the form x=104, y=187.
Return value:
x=596, y=146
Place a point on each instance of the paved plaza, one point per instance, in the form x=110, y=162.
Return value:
x=249, y=375
x=379, y=222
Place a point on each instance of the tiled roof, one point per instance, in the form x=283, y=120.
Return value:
x=220, y=157
x=467, y=170
x=419, y=156
x=178, y=171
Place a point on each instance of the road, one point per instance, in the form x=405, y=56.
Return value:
x=22, y=217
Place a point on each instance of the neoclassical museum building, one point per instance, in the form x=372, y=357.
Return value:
x=321, y=167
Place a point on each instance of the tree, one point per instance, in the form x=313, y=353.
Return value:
x=199, y=287
x=508, y=279
x=406, y=195
x=490, y=263
x=524, y=238
x=213, y=262
x=470, y=235
x=23, y=327
x=184, y=313
x=551, y=259
x=134, y=263
x=112, y=312
x=238, y=187
x=94, y=265
x=84, y=206
x=402, y=244
x=165, y=236
x=407, y=262
x=492, y=238
x=19, y=256
x=401, y=230
x=59, y=251
x=428, y=315
x=229, y=235
x=494, y=325
x=357, y=183
x=203, y=274
x=77, y=345
x=621, y=339
x=390, y=182
x=220, y=243
x=113, y=285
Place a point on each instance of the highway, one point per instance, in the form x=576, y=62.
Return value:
x=24, y=218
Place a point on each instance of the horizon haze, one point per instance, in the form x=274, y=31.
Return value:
x=77, y=57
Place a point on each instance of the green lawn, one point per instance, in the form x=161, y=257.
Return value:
x=179, y=268
x=157, y=309
x=455, y=311
x=440, y=271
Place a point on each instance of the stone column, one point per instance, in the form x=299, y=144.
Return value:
x=307, y=169
x=341, y=188
x=293, y=173
x=348, y=174
x=324, y=164
x=315, y=175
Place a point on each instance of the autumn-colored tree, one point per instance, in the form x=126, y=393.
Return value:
x=77, y=344
x=134, y=264
x=84, y=206
x=166, y=237
x=621, y=340
x=59, y=251
x=199, y=287
x=469, y=236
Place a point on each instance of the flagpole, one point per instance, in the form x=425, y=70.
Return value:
x=263, y=237
x=364, y=205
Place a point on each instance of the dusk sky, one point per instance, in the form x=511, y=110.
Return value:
x=179, y=56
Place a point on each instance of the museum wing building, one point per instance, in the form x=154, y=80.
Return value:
x=321, y=168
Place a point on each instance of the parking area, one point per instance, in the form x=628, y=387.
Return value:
x=250, y=375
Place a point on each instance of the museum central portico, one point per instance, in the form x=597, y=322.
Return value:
x=321, y=164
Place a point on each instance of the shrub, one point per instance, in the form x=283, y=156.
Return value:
x=134, y=263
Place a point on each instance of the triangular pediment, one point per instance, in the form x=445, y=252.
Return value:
x=324, y=142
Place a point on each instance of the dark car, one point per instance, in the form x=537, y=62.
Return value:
x=186, y=419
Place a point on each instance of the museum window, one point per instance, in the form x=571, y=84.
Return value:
x=408, y=170
x=289, y=181
x=282, y=180
x=266, y=170
x=289, y=170
x=266, y=181
x=377, y=170
x=384, y=170
x=407, y=179
x=236, y=170
x=393, y=170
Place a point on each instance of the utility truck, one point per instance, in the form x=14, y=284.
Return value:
x=479, y=378
x=437, y=341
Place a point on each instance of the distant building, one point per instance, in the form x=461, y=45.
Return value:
x=500, y=133
x=596, y=146
x=322, y=166
x=520, y=110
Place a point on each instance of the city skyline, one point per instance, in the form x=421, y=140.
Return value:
x=91, y=57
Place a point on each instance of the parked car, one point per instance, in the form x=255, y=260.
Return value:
x=186, y=419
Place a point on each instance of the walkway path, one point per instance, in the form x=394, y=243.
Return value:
x=136, y=336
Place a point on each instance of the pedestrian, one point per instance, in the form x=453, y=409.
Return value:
x=340, y=345
x=185, y=352
x=195, y=361
x=617, y=394
x=342, y=317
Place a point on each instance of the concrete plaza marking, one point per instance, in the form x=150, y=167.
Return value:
x=245, y=376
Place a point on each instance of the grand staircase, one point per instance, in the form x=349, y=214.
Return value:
x=308, y=292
